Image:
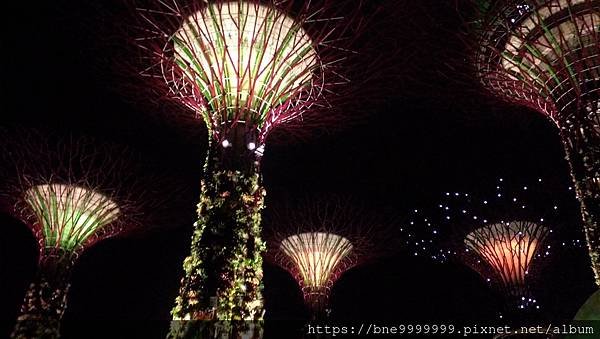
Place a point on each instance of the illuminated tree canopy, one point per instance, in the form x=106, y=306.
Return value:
x=243, y=62
x=69, y=215
x=508, y=249
x=545, y=54
x=246, y=66
x=317, y=240
x=317, y=257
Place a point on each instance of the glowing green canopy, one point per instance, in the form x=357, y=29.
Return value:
x=241, y=60
x=69, y=215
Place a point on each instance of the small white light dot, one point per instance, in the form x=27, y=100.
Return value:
x=251, y=146
x=225, y=143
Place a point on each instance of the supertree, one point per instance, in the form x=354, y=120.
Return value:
x=71, y=192
x=245, y=67
x=506, y=233
x=545, y=54
x=317, y=240
x=507, y=251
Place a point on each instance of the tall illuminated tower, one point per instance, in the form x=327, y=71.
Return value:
x=245, y=67
x=71, y=194
x=506, y=233
x=318, y=241
x=545, y=54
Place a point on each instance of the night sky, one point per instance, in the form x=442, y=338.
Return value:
x=425, y=137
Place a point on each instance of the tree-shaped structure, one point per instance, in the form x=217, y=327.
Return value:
x=71, y=193
x=545, y=54
x=507, y=250
x=317, y=258
x=245, y=67
x=506, y=234
x=318, y=240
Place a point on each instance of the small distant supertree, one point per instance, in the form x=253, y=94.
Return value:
x=545, y=54
x=246, y=67
x=506, y=251
x=318, y=240
x=506, y=234
x=71, y=193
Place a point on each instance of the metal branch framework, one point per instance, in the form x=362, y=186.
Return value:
x=545, y=54
x=508, y=249
x=247, y=64
x=318, y=258
x=68, y=215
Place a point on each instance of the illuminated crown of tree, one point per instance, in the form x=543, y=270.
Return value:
x=545, y=54
x=68, y=215
x=316, y=257
x=509, y=249
x=73, y=191
x=241, y=62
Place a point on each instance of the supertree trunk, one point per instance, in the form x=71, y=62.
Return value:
x=318, y=303
x=221, y=292
x=582, y=147
x=46, y=299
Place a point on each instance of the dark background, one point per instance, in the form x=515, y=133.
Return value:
x=426, y=137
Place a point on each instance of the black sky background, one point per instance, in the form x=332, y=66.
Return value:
x=417, y=143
